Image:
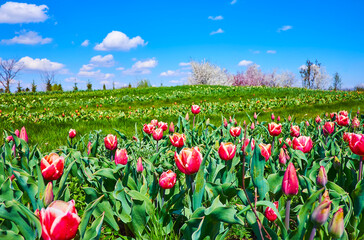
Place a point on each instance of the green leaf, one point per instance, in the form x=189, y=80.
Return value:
x=358, y=198
x=93, y=233
x=87, y=214
x=257, y=172
x=62, y=183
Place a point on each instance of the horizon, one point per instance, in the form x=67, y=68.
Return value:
x=124, y=42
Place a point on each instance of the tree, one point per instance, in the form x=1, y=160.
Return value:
x=113, y=85
x=205, y=73
x=75, y=88
x=18, y=88
x=34, y=87
x=89, y=85
x=336, y=81
x=9, y=69
x=104, y=87
x=48, y=79
x=313, y=75
x=27, y=89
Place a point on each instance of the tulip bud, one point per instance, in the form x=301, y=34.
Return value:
x=278, y=118
x=227, y=151
x=307, y=123
x=322, y=212
x=230, y=120
x=195, y=109
x=89, y=147
x=290, y=181
x=48, y=194
x=171, y=128
x=9, y=138
x=72, y=133
x=23, y=134
x=272, y=116
x=336, y=225
x=167, y=179
x=17, y=133
x=282, y=157
x=289, y=118
x=318, y=119
x=337, y=163
x=154, y=122
x=208, y=122
x=244, y=123
x=265, y=150
x=321, y=179
x=255, y=116
x=225, y=122
x=121, y=156
x=140, y=167
x=187, y=117
x=270, y=214
x=252, y=126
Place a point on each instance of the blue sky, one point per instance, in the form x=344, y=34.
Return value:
x=125, y=41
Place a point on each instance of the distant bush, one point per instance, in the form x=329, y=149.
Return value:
x=143, y=83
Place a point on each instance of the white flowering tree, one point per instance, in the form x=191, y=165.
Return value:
x=205, y=73
x=314, y=75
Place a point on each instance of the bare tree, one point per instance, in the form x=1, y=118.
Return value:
x=9, y=69
x=48, y=78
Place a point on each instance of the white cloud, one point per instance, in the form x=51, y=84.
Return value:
x=255, y=51
x=120, y=68
x=73, y=80
x=272, y=51
x=184, y=64
x=233, y=2
x=103, y=61
x=85, y=43
x=118, y=41
x=87, y=67
x=142, y=67
x=216, y=18
x=95, y=74
x=40, y=64
x=27, y=38
x=171, y=73
x=13, y=12
x=284, y=28
x=217, y=31
x=245, y=63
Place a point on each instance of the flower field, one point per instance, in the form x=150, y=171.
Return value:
x=184, y=170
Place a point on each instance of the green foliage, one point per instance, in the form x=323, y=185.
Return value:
x=144, y=83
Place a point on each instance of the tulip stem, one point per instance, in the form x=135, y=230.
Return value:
x=360, y=168
x=288, y=208
x=156, y=146
x=313, y=233
x=163, y=194
x=273, y=146
x=194, y=116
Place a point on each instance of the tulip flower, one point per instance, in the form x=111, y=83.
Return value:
x=121, y=156
x=302, y=143
x=230, y=119
x=328, y=128
x=272, y=117
x=288, y=142
x=274, y=129
x=342, y=120
x=347, y=137
x=227, y=151
x=157, y=134
x=154, y=122
x=187, y=117
x=189, y=160
x=255, y=116
x=266, y=150
x=355, y=122
x=148, y=128
x=307, y=123
x=247, y=141
x=59, y=221
x=17, y=133
x=283, y=156
x=23, y=134
x=72, y=133
x=9, y=138
x=195, y=109
x=163, y=126
x=235, y=131
x=178, y=140
x=167, y=179
x=225, y=123
x=321, y=179
x=252, y=126
x=318, y=119
x=322, y=212
x=140, y=167
x=295, y=131
x=356, y=145
x=89, y=147
x=270, y=214
x=171, y=128
x=278, y=118
x=48, y=194
x=52, y=166
x=344, y=113
x=333, y=115
x=289, y=188
x=111, y=142
x=289, y=118
x=336, y=225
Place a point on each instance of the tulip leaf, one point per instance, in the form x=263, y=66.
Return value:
x=257, y=172
x=86, y=216
x=62, y=183
x=93, y=233
x=10, y=235
x=28, y=184
x=105, y=207
x=358, y=198
x=275, y=181
x=105, y=172
x=122, y=136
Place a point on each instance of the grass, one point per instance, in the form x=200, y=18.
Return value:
x=163, y=103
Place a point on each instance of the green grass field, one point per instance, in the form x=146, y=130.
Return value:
x=49, y=116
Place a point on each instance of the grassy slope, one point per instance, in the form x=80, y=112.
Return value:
x=157, y=102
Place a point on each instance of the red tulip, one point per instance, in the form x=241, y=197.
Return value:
x=318, y=119
x=171, y=128
x=302, y=143
x=266, y=150
x=295, y=131
x=227, y=151
x=278, y=118
x=288, y=141
x=121, y=156
x=167, y=179
x=328, y=128
x=322, y=212
x=289, y=118
x=17, y=133
x=274, y=129
x=9, y=138
x=272, y=116
x=307, y=123
x=290, y=181
x=52, y=166
x=321, y=178
x=163, y=126
x=355, y=122
x=59, y=221
x=255, y=116
x=195, y=109
x=333, y=115
x=154, y=122
x=177, y=139
x=89, y=147
x=347, y=137
x=225, y=123
x=252, y=126
x=148, y=128
x=111, y=142
x=235, y=131
x=270, y=214
x=344, y=113
x=23, y=134
x=189, y=160
x=158, y=134
x=140, y=167
x=72, y=133
x=342, y=120
x=247, y=140
x=230, y=119
x=356, y=144
x=283, y=156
